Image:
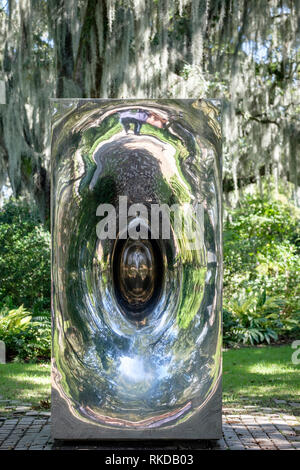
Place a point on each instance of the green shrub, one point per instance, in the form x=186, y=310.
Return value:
x=25, y=337
x=255, y=320
x=261, y=271
x=24, y=280
x=24, y=258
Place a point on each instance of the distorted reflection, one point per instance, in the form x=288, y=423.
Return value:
x=133, y=369
x=137, y=320
x=137, y=271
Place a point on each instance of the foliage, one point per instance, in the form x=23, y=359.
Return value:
x=261, y=271
x=255, y=320
x=26, y=338
x=245, y=52
x=25, y=281
x=24, y=258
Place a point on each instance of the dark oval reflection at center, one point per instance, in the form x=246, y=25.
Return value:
x=137, y=271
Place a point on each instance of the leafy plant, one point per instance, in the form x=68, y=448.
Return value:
x=261, y=271
x=255, y=320
x=25, y=338
x=16, y=321
x=24, y=258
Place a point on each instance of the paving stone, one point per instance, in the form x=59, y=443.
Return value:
x=296, y=444
x=221, y=444
x=251, y=430
x=33, y=430
x=48, y=447
x=285, y=429
x=31, y=413
x=236, y=447
x=267, y=446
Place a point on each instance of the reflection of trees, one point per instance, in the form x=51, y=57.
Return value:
x=247, y=52
x=192, y=290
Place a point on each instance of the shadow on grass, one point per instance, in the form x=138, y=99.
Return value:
x=24, y=382
x=251, y=376
x=260, y=375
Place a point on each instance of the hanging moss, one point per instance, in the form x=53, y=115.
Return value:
x=244, y=52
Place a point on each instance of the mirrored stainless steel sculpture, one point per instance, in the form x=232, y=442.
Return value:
x=136, y=302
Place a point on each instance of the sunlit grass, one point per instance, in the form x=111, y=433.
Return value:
x=270, y=369
x=260, y=375
x=251, y=376
x=28, y=383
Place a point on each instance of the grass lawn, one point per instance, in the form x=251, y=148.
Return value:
x=251, y=376
x=258, y=375
x=27, y=383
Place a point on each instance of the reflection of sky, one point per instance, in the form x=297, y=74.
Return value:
x=133, y=368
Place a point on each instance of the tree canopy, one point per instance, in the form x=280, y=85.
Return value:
x=242, y=51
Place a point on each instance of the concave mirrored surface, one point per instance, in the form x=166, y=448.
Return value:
x=136, y=315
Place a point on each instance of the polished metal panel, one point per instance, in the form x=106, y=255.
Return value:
x=136, y=303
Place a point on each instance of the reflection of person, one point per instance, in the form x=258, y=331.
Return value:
x=156, y=121
x=130, y=117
